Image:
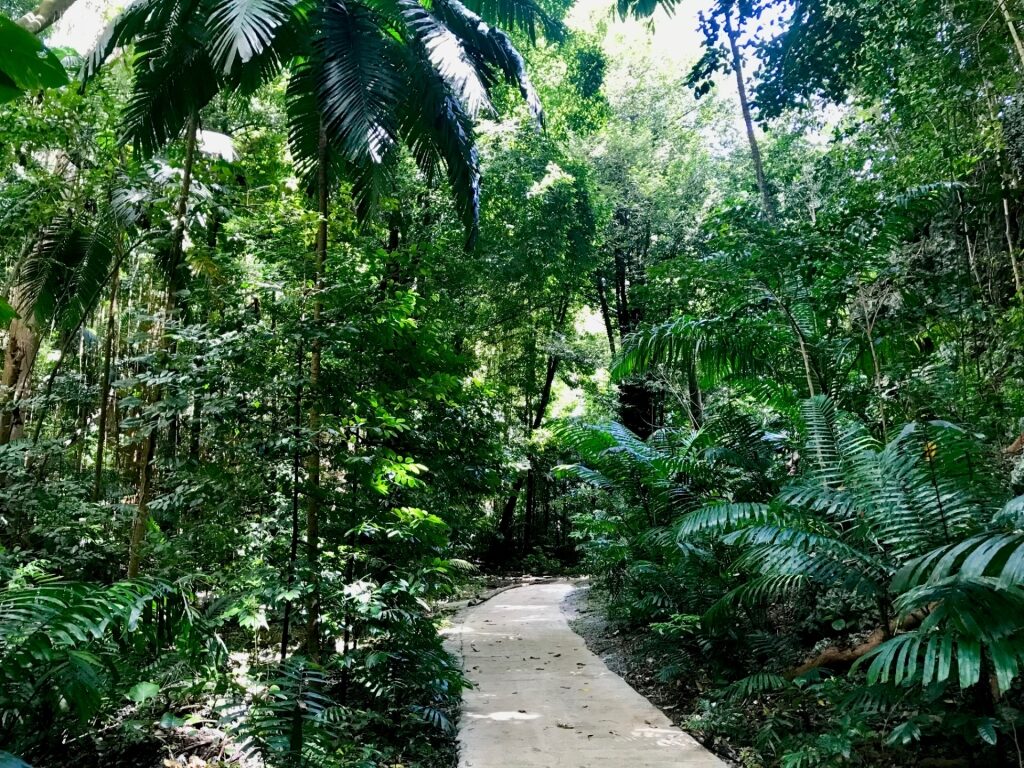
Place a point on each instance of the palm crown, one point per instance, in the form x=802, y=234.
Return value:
x=372, y=76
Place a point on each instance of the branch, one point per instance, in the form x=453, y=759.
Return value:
x=835, y=655
x=44, y=15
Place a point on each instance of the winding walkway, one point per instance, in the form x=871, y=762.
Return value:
x=542, y=700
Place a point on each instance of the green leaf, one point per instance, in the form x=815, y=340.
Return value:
x=25, y=63
x=7, y=312
x=170, y=720
x=987, y=731
x=140, y=692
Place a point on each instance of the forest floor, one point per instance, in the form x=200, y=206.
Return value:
x=541, y=699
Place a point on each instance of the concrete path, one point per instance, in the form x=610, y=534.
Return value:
x=542, y=700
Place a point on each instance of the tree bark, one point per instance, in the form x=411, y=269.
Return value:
x=602, y=296
x=845, y=656
x=19, y=359
x=196, y=427
x=108, y=355
x=1018, y=283
x=768, y=206
x=44, y=15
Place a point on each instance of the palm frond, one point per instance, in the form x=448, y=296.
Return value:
x=760, y=591
x=436, y=127
x=966, y=618
x=755, y=685
x=523, y=15
x=720, y=518
x=125, y=27
x=447, y=54
x=999, y=556
x=243, y=29
x=490, y=47
x=174, y=76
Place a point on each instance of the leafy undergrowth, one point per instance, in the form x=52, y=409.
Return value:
x=759, y=729
x=628, y=653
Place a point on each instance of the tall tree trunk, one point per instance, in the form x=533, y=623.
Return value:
x=293, y=551
x=768, y=206
x=313, y=462
x=148, y=450
x=637, y=403
x=1007, y=219
x=108, y=357
x=195, y=427
x=530, y=513
x=606, y=316
x=83, y=410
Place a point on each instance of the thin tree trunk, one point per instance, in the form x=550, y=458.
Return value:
x=805, y=355
x=878, y=380
x=1011, y=26
x=108, y=356
x=313, y=468
x=602, y=296
x=1010, y=246
x=196, y=427
x=696, y=399
x=83, y=411
x=755, y=152
x=148, y=452
x=508, y=512
x=529, y=518
x=293, y=552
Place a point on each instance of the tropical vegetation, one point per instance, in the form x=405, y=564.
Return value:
x=314, y=311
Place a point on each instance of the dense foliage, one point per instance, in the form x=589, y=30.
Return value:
x=312, y=309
